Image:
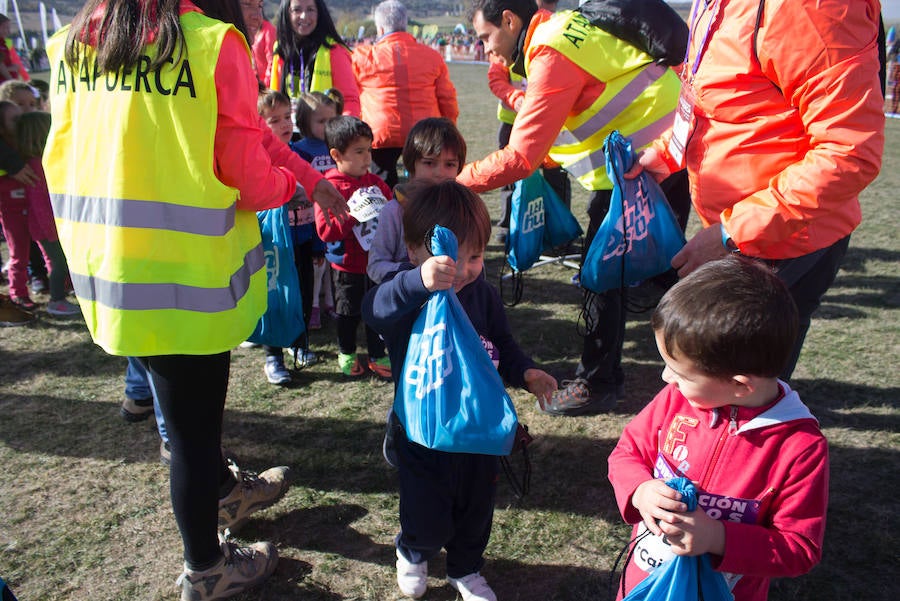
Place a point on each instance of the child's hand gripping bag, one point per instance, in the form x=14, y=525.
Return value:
x=282, y=322
x=450, y=396
x=682, y=578
x=639, y=235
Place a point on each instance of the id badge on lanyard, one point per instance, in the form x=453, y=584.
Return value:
x=684, y=121
x=684, y=112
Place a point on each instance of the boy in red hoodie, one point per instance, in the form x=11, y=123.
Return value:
x=726, y=422
x=347, y=241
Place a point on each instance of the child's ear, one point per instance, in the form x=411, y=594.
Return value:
x=335, y=154
x=743, y=385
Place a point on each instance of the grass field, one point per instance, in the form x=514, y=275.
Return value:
x=84, y=506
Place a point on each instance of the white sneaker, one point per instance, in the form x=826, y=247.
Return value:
x=412, y=578
x=473, y=587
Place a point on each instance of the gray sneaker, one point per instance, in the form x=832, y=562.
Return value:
x=251, y=493
x=276, y=372
x=576, y=398
x=239, y=569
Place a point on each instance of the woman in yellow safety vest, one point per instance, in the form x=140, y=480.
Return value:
x=155, y=205
x=310, y=55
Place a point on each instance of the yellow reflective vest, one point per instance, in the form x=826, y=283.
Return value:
x=293, y=84
x=504, y=112
x=639, y=99
x=161, y=260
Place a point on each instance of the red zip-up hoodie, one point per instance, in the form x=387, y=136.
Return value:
x=762, y=471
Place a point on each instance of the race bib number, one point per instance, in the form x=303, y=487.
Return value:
x=366, y=203
x=365, y=233
x=651, y=551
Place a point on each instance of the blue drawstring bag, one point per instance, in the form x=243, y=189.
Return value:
x=538, y=220
x=450, y=397
x=682, y=578
x=639, y=235
x=560, y=225
x=282, y=322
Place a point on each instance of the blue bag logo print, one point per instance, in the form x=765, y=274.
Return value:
x=638, y=216
x=534, y=216
x=272, y=268
x=438, y=351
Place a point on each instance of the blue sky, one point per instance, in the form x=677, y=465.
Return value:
x=891, y=10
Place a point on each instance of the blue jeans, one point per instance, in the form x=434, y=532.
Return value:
x=138, y=386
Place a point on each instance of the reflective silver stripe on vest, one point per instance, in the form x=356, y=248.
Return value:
x=120, y=212
x=639, y=139
x=140, y=297
x=614, y=107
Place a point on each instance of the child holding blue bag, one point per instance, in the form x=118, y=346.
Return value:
x=728, y=424
x=447, y=498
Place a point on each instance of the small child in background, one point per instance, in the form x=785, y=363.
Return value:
x=275, y=108
x=43, y=89
x=314, y=109
x=434, y=151
x=27, y=214
x=447, y=499
x=20, y=93
x=726, y=422
x=350, y=145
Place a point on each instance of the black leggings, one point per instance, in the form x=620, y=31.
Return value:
x=191, y=393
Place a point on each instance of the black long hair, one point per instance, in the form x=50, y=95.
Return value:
x=290, y=46
x=227, y=11
x=122, y=31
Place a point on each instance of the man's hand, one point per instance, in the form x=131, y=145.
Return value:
x=26, y=176
x=656, y=501
x=695, y=533
x=438, y=273
x=540, y=384
x=705, y=246
x=329, y=199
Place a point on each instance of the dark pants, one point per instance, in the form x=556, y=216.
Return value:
x=191, y=393
x=385, y=162
x=556, y=177
x=808, y=278
x=446, y=501
x=349, y=289
x=605, y=314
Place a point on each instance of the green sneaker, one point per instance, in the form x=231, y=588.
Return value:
x=350, y=365
x=381, y=367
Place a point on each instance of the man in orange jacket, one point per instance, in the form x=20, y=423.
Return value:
x=778, y=143
x=400, y=83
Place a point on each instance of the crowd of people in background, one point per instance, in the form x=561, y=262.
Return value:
x=321, y=124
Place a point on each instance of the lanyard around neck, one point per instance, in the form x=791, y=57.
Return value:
x=701, y=50
x=293, y=80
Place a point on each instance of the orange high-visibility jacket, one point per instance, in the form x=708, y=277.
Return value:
x=782, y=147
x=401, y=82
